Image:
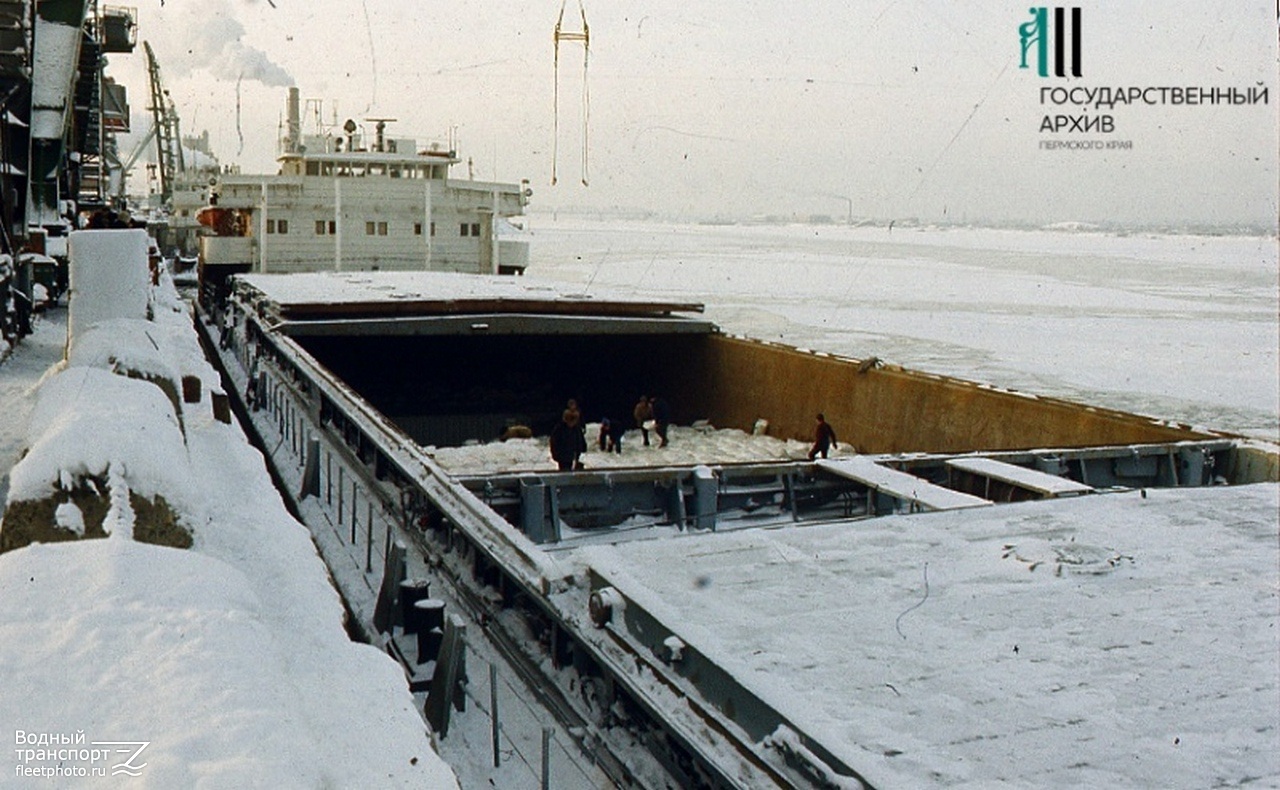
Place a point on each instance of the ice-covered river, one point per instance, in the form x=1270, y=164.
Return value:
x=1179, y=327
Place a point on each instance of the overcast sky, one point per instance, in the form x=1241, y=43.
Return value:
x=885, y=108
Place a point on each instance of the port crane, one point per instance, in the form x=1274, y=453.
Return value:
x=59, y=114
x=165, y=130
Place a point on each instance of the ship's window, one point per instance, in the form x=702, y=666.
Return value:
x=282, y=225
x=433, y=229
x=369, y=228
x=271, y=226
x=464, y=229
x=382, y=228
x=417, y=228
x=319, y=227
x=475, y=229
x=333, y=228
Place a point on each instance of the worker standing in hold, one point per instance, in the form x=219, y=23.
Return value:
x=568, y=441
x=643, y=413
x=824, y=438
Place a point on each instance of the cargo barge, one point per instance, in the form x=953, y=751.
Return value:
x=359, y=376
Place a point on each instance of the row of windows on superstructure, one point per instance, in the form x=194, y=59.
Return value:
x=392, y=170
x=330, y=228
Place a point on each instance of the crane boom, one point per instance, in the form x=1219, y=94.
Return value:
x=168, y=139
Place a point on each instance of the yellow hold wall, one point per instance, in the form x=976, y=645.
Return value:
x=889, y=409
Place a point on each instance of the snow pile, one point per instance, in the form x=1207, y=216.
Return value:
x=177, y=650
x=85, y=418
x=108, y=447
x=688, y=446
x=162, y=350
x=124, y=345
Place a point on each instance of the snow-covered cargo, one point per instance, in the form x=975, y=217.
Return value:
x=106, y=455
x=109, y=277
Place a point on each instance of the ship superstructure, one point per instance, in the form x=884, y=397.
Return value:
x=344, y=200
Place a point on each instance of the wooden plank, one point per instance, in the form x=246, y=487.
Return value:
x=1031, y=479
x=900, y=485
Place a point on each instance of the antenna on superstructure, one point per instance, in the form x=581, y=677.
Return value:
x=380, y=130
x=314, y=109
x=584, y=36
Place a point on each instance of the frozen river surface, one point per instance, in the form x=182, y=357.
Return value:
x=1178, y=327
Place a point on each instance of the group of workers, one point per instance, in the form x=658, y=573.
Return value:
x=568, y=439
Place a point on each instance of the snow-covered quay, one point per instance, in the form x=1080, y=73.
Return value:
x=222, y=665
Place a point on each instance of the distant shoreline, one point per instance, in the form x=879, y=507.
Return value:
x=1243, y=229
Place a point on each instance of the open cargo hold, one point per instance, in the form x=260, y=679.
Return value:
x=452, y=359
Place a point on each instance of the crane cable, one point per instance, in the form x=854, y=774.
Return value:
x=583, y=35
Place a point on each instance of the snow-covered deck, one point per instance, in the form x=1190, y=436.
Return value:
x=1112, y=641
x=334, y=294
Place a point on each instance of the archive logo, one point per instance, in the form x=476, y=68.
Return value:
x=1053, y=37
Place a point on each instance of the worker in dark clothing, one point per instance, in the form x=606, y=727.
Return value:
x=642, y=413
x=824, y=438
x=611, y=432
x=568, y=439
x=661, y=420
